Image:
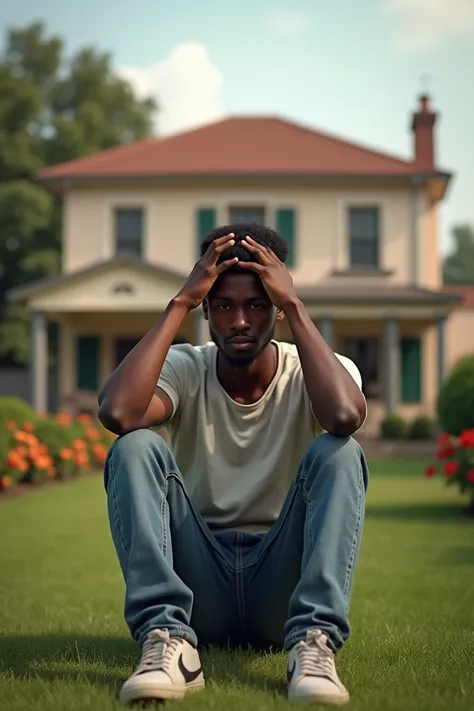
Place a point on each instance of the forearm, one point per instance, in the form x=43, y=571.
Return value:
x=335, y=397
x=130, y=388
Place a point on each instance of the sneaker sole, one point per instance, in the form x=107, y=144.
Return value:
x=320, y=699
x=159, y=691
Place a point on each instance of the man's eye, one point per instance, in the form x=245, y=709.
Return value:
x=222, y=307
x=256, y=306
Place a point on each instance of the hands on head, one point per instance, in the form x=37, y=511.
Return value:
x=273, y=273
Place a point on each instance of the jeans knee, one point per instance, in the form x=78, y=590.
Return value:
x=137, y=444
x=141, y=452
x=343, y=454
x=328, y=445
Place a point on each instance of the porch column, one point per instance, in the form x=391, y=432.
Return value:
x=39, y=361
x=441, y=333
x=326, y=328
x=201, y=328
x=67, y=362
x=392, y=364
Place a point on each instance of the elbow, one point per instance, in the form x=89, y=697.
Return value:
x=347, y=421
x=114, y=420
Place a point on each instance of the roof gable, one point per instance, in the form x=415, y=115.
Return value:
x=120, y=284
x=236, y=146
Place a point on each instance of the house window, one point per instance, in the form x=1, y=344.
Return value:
x=247, y=215
x=365, y=354
x=129, y=231
x=286, y=226
x=364, y=237
x=206, y=221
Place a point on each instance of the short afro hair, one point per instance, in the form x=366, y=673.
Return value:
x=260, y=233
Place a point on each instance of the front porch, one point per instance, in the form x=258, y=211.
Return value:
x=401, y=354
x=90, y=346
x=395, y=334
x=401, y=360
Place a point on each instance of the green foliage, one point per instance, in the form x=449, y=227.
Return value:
x=24, y=209
x=58, y=437
x=458, y=267
x=456, y=398
x=13, y=409
x=53, y=108
x=422, y=427
x=393, y=427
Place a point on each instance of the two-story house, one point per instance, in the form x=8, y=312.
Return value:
x=362, y=228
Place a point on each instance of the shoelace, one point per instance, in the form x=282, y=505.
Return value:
x=316, y=658
x=158, y=650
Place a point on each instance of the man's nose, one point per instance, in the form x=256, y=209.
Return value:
x=240, y=320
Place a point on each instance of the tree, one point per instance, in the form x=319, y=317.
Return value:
x=52, y=109
x=458, y=267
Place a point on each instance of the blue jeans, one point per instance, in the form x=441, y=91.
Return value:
x=236, y=587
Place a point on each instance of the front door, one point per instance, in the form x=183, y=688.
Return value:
x=123, y=346
x=365, y=354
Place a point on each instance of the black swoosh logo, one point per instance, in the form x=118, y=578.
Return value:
x=189, y=676
x=290, y=672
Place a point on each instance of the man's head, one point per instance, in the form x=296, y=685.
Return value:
x=241, y=315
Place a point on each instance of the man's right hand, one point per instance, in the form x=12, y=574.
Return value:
x=205, y=272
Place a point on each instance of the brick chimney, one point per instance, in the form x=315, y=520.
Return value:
x=423, y=132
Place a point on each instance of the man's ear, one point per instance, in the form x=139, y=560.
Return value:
x=280, y=315
x=205, y=309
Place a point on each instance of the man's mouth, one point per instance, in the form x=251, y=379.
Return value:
x=241, y=342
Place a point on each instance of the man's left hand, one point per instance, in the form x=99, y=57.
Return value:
x=274, y=275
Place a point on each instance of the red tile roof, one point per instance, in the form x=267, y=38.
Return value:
x=465, y=291
x=236, y=146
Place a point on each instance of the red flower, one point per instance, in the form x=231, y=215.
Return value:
x=470, y=476
x=446, y=452
x=450, y=468
x=466, y=439
x=429, y=471
x=444, y=438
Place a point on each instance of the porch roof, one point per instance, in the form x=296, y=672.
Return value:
x=41, y=286
x=363, y=294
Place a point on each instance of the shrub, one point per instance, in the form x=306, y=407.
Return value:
x=23, y=457
x=64, y=442
x=49, y=446
x=455, y=461
x=16, y=411
x=392, y=427
x=456, y=398
x=422, y=427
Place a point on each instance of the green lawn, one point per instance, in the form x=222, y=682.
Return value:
x=64, y=645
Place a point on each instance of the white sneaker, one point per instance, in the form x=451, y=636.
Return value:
x=312, y=674
x=168, y=669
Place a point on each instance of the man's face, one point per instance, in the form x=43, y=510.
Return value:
x=241, y=317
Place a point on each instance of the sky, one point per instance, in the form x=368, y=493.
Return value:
x=353, y=68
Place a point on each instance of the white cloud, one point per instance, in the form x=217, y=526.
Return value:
x=424, y=24
x=289, y=24
x=186, y=85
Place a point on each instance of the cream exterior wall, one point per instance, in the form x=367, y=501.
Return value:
x=89, y=307
x=321, y=229
x=459, y=336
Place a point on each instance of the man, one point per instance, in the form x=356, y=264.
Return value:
x=248, y=529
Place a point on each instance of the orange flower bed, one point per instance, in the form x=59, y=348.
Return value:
x=51, y=447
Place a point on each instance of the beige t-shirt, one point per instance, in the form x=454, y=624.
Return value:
x=238, y=461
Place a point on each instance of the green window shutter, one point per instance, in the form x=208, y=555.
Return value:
x=286, y=227
x=206, y=221
x=411, y=366
x=87, y=359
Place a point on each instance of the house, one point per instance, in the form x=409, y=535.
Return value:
x=362, y=228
